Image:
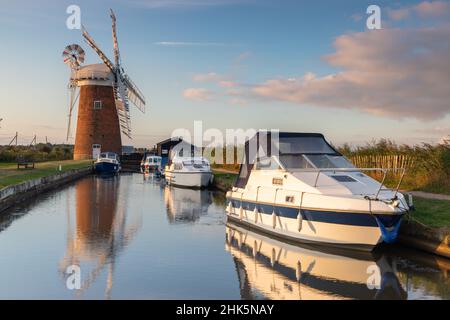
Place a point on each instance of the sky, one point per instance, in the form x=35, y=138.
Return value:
x=301, y=66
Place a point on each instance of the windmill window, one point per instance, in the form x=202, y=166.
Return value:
x=97, y=105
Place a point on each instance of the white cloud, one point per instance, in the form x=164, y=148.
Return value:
x=198, y=94
x=155, y=4
x=432, y=8
x=209, y=77
x=392, y=73
x=223, y=81
x=242, y=57
x=190, y=44
x=399, y=14
x=425, y=9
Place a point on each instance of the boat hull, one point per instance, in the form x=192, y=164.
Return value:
x=360, y=231
x=189, y=179
x=152, y=169
x=106, y=167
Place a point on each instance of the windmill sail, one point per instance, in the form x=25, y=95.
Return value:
x=134, y=94
x=114, y=35
x=94, y=46
x=74, y=94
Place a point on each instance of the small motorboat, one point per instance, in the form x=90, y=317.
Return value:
x=186, y=167
x=107, y=163
x=189, y=172
x=298, y=187
x=152, y=164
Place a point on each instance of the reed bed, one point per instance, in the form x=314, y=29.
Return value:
x=427, y=166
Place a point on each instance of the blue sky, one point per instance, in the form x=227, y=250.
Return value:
x=214, y=61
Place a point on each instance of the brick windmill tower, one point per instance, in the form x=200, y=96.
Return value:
x=103, y=92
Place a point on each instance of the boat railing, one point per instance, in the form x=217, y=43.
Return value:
x=319, y=171
x=384, y=170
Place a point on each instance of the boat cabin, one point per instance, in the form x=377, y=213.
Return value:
x=108, y=156
x=291, y=152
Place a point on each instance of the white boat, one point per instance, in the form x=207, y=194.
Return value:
x=187, y=168
x=190, y=172
x=152, y=164
x=298, y=187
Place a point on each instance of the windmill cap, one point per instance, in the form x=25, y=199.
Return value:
x=98, y=73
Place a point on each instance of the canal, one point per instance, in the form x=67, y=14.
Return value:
x=134, y=238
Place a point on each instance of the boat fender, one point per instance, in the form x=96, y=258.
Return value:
x=273, y=258
x=255, y=212
x=411, y=202
x=298, y=272
x=300, y=220
x=255, y=249
x=274, y=220
x=241, y=212
x=230, y=207
x=389, y=235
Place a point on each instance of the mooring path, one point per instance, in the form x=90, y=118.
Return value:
x=427, y=195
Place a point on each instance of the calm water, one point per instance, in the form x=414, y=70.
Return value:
x=137, y=239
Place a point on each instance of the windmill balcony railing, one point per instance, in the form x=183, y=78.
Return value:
x=91, y=75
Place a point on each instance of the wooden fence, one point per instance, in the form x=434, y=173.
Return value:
x=383, y=161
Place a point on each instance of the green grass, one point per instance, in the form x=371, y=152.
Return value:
x=432, y=213
x=9, y=175
x=224, y=181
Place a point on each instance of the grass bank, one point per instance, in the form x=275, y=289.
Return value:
x=224, y=180
x=9, y=175
x=432, y=213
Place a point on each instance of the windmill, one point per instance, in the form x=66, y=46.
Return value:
x=100, y=89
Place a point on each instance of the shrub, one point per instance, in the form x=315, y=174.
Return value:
x=38, y=153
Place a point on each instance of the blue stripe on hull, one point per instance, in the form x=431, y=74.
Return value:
x=344, y=218
x=106, y=167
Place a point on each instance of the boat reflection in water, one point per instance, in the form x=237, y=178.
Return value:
x=270, y=269
x=186, y=205
x=101, y=229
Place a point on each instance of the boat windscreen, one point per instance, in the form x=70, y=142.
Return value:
x=324, y=161
x=304, y=145
x=295, y=161
x=314, y=161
